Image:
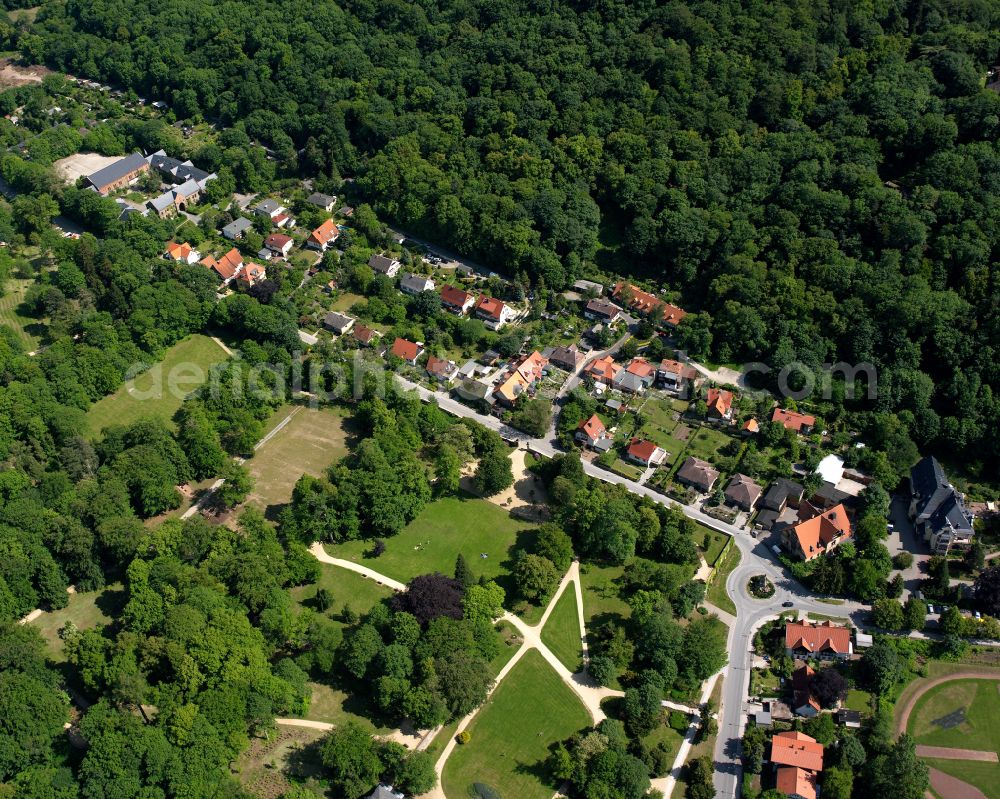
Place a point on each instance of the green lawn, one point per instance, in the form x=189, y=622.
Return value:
x=347, y=587
x=344, y=302
x=981, y=701
x=311, y=441
x=985, y=776
x=28, y=329
x=601, y=601
x=530, y=710
x=561, y=632
x=716, y=593
x=159, y=391
x=335, y=706
x=859, y=700
x=626, y=469
x=87, y=611
x=716, y=541
x=445, y=528
x=707, y=443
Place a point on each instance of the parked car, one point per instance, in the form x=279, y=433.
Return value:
x=978, y=615
x=788, y=604
x=776, y=549
x=930, y=609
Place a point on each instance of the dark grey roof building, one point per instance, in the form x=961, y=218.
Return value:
x=119, y=174
x=937, y=509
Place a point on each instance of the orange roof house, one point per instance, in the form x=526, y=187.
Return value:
x=591, y=430
x=522, y=376
x=364, y=334
x=406, y=350
x=720, y=403
x=798, y=750
x=323, y=236
x=818, y=534
x=252, y=274
x=181, y=252
x=817, y=640
x=750, y=426
x=227, y=266
x=456, y=300
x=792, y=420
x=645, y=303
x=797, y=783
x=640, y=367
x=645, y=452
x=495, y=313
x=804, y=702
x=602, y=370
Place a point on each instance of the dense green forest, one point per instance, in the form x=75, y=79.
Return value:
x=819, y=178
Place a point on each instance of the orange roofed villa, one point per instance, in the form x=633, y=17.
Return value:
x=817, y=533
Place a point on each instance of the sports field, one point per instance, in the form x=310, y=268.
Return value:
x=307, y=443
x=960, y=713
x=160, y=390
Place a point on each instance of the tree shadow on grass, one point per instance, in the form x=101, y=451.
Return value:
x=111, y=601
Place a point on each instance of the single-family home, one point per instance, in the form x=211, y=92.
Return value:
x=279, y=244
x=645, y=453
x=456, y=301
x=630, y=382
x=339, y=323
x=817, y=534
x=323, y=236
x=602, y=370
x=493, y=312
x=602, y=311
x=793, y=420
x=227, y=266
x=568, y=358
x=365, y=335
x=408, y=351
x=415, y=284
x=698, y=474
x=251, y=275
x=781, y=494
x=476, y=389
x=520, y=378
x=742, y=492
x=642, y=369
x=440, y=369
x=720, y=404
x=937, y=509
x=676, y=377
x=848, y=718
x=750, y=427
x=324, y=201
x=590, y=431
x=122, y=173
x=236, y=229
x=269, y=208
x=804, y=702
x=184, y=253
x=384, y=266
x=822, y=640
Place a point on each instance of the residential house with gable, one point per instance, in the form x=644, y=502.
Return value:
x=801, y=423
x=382, y=265
x=226, y=267
x=279, y=245
x=645, y=453
x=698, y=474
x=415, y=284
x=493, y=312
x=677, y=377
x=407, y=351
x=456, y=301
x=817, y=533
x=798, y=760
x=184, y=253
x=720, y=404
x=323, y=236
x=937, y=509
x=822, y=640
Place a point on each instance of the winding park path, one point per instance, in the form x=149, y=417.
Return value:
x=590, y=694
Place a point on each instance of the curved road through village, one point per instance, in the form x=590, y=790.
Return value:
x=751, y=613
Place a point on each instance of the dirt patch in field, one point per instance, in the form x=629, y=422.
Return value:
x=526, y=498
x=81, y=164
x=12, y=74
x=681, y=432
x=951, y=753
x=265, y=766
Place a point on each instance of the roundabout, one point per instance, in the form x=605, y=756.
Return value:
x=759, y=587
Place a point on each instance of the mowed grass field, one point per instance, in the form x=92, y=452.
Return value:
x=28, y=329
x=985, y=776
x=530, y=710
x=561, y=632
x=433, y=541
x=980, y=700
x=88, y=611
x=716, y=593
x=308, y=443
x=160, y=390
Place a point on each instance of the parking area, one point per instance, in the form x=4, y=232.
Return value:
x=80, y=164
